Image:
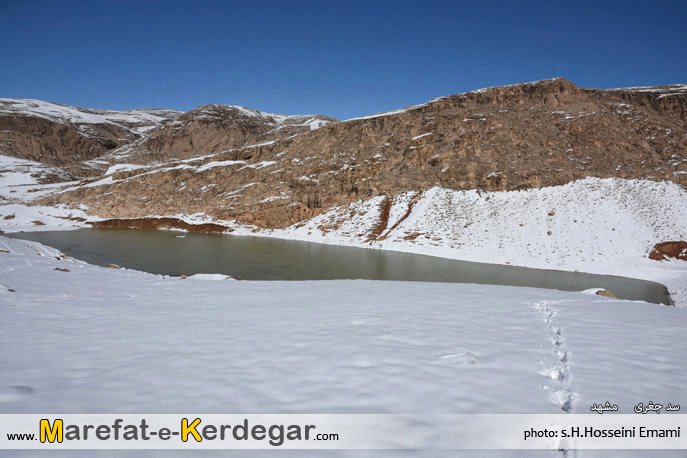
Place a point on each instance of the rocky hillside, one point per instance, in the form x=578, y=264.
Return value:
x=65, y=136
x=504, y=138
x=235, y=163
x=87, y=142
x=219, y=128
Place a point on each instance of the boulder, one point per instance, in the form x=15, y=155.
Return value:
x=669, y=250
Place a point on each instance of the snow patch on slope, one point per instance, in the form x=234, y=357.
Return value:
x=19, y=217
x=24, y=180
x=139, y=120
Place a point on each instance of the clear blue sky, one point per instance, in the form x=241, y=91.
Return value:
x=340, y=58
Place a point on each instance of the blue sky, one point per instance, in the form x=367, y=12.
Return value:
x=342, y=59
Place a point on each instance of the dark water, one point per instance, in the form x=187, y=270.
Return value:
x=259, y=258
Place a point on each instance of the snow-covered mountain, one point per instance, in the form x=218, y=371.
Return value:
x=76, y=138
x=138, y=120
x=275, y=171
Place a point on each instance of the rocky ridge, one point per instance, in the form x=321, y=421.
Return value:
x=233, y=163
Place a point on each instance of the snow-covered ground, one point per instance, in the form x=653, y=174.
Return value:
x=98, y=340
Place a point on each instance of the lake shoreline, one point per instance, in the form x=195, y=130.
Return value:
x=273, y=259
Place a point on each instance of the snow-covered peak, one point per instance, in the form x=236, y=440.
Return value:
x=144, y=119
x=138, y=120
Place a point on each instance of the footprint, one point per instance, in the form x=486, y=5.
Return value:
x=563, y=398
x=555, y=373
x=559, y=372
x=14, y=393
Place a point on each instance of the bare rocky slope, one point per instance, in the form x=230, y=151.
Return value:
x=275, y=170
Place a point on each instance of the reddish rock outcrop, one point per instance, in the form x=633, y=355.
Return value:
x=669, y=250
x=160, y=223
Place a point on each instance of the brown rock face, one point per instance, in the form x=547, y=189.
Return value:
x=213, y=128
x=52, y=143
x=505, y=138
x=669, y=250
